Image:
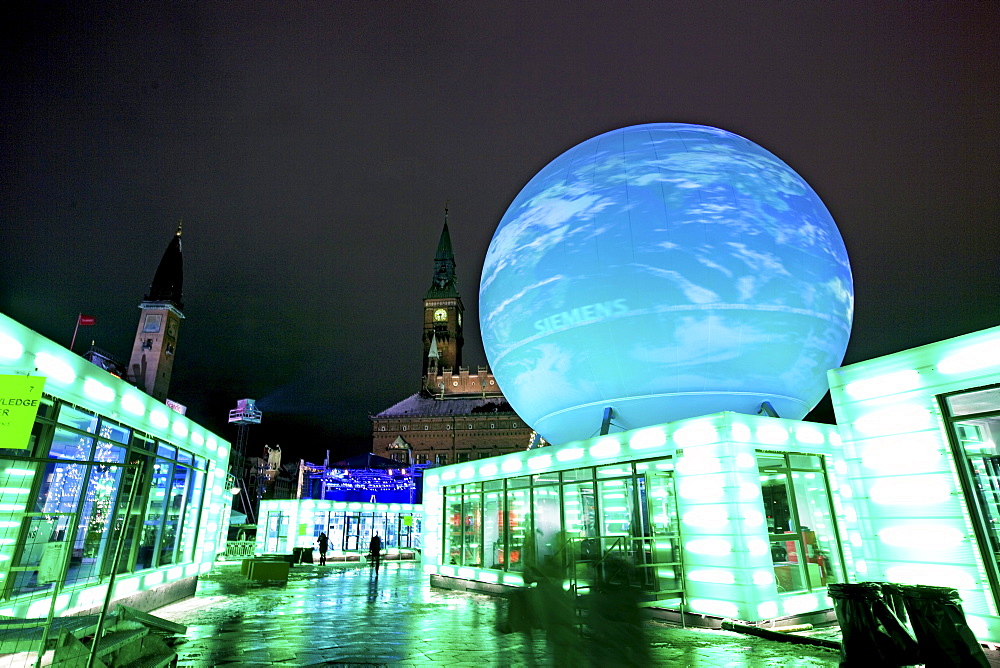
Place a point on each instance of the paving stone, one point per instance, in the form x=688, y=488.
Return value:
x=343, y=616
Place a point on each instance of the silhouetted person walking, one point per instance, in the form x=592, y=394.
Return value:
x=375, y=550
x=324, y=543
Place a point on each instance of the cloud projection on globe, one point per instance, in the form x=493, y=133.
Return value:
x=666, y=271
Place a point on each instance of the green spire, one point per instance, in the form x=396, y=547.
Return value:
x=444, y=283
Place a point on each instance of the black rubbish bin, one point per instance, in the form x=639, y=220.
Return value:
x=938, y=621
x=302, y=555
x=871, y=634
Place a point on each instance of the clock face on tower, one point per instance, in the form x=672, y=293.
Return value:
x=440, y=315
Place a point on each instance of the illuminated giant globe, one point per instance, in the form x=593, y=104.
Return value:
x=666, y=271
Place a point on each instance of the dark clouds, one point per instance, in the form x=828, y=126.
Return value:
x=310, y=148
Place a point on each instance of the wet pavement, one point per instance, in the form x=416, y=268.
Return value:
x=344, y=616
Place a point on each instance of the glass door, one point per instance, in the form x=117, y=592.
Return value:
x=661, y=538
x=277, y=533
x=352, y=533
x=974, y=432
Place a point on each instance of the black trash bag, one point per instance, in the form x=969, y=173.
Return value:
x=871, y=634
x=938, y=621
x=893, y=596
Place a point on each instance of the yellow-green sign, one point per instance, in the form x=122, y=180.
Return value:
x=20, y=397
x=407, y=521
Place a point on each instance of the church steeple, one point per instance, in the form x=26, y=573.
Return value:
x=168, y=281
x=444, y=283
x=443, y=309
x=152, y=361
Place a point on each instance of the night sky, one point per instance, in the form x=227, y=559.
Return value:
x=310, y=149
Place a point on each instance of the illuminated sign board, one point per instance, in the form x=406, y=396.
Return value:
x=20, y=397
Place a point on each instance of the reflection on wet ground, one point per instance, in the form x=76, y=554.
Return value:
x=344, y=616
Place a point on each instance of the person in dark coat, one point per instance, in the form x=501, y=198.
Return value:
x=324, y=543
x=375, y=551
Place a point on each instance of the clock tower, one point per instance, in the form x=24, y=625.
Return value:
x=155, y=346
x=443, y=310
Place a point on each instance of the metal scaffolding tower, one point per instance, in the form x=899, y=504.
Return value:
x=244, y=415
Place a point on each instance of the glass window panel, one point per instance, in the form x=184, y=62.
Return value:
x=549, y=538
x=473, y=487
x=320, y=524
x=615, y=505
x=72, y=416
x=617, y=470
x=191, y=513
x=70, y=445
x=617, y=521
x=519, y=483
x=184, y=457
x=662, y=546
x=114, y=432
x=338, y=531
x=655, y=465
x=276, y=532
x=166, y=450
x=804, y=545
x=490, y=485
x=550, y=478
x=789, y=574
x=493, y=530
x=62, y=483
x=472, y=522
x=770, y=461
x=16, y=478
x=44, y=551
x=817, y=530
x=520, y=544
x=142, y=442
x=174, y=512
x=813, y=462
x=92, y=546
x=578, y=474
x=139, y=477
x=153, y=515
x=777, y=507
x=46, y=408
x=977, y=440
x=453, y=529
x=580, y=513
x=970, y=403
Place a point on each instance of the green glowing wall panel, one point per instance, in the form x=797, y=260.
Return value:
x=913, y=524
